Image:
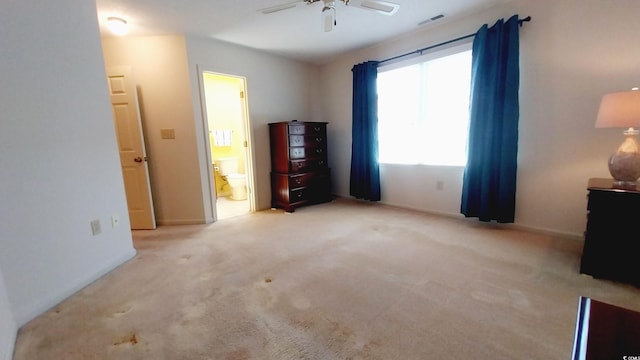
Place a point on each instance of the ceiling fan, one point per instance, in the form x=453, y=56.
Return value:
x=329, y=9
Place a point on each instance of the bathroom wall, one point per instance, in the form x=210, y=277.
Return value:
x=225, y=113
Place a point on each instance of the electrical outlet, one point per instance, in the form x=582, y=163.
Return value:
x=115, y=221
x=95, y=227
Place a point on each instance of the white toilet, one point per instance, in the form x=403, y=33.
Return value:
x=228, y=169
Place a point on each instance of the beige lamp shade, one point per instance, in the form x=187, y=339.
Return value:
x=620, y=109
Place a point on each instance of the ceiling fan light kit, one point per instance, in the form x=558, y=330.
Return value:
x=328, y=14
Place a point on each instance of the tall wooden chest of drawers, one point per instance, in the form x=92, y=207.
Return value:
x=300, y=174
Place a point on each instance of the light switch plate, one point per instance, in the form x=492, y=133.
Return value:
x=95, y=227
x=168, y=133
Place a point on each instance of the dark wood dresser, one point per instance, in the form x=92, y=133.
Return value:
x=611, y=243
x=300, y=173
x=605, y=331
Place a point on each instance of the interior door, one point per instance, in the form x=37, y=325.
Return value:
x=133, y=159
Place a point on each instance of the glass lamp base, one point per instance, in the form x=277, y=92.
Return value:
x=625, y=167
x=624, y=164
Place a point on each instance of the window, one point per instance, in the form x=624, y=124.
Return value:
x=423, y=110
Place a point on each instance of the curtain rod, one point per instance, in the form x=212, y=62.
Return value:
x=420, y=51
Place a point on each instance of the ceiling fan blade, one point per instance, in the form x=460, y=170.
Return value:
x=281, y=7
x=382, y=7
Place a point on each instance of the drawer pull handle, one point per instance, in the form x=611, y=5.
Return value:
x=319, y=139
x=319, y=151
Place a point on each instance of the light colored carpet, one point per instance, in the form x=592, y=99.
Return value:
x=342, y=280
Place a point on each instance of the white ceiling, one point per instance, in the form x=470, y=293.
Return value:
x=295, y=33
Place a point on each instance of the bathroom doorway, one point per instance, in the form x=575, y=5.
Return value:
x=228, y=126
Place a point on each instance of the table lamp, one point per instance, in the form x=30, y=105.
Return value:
x=622, y=110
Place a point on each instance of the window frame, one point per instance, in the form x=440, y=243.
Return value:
x=430, y=55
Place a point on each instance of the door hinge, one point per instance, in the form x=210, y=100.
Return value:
x=246, y=144
x=241, y=94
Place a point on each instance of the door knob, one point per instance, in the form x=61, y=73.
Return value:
x=138, y=159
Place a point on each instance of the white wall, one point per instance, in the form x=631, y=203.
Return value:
x=7, y=324
x=278, y=89
x=58, y=155
x=572, y=53
x=159, y=65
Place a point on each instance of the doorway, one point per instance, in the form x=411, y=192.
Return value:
x=227, y=121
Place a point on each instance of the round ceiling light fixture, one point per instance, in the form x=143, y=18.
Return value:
x=117, y=25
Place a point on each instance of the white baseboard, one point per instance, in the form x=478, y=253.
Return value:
x=550, y=232
x=46, y=304
x=181, y=222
